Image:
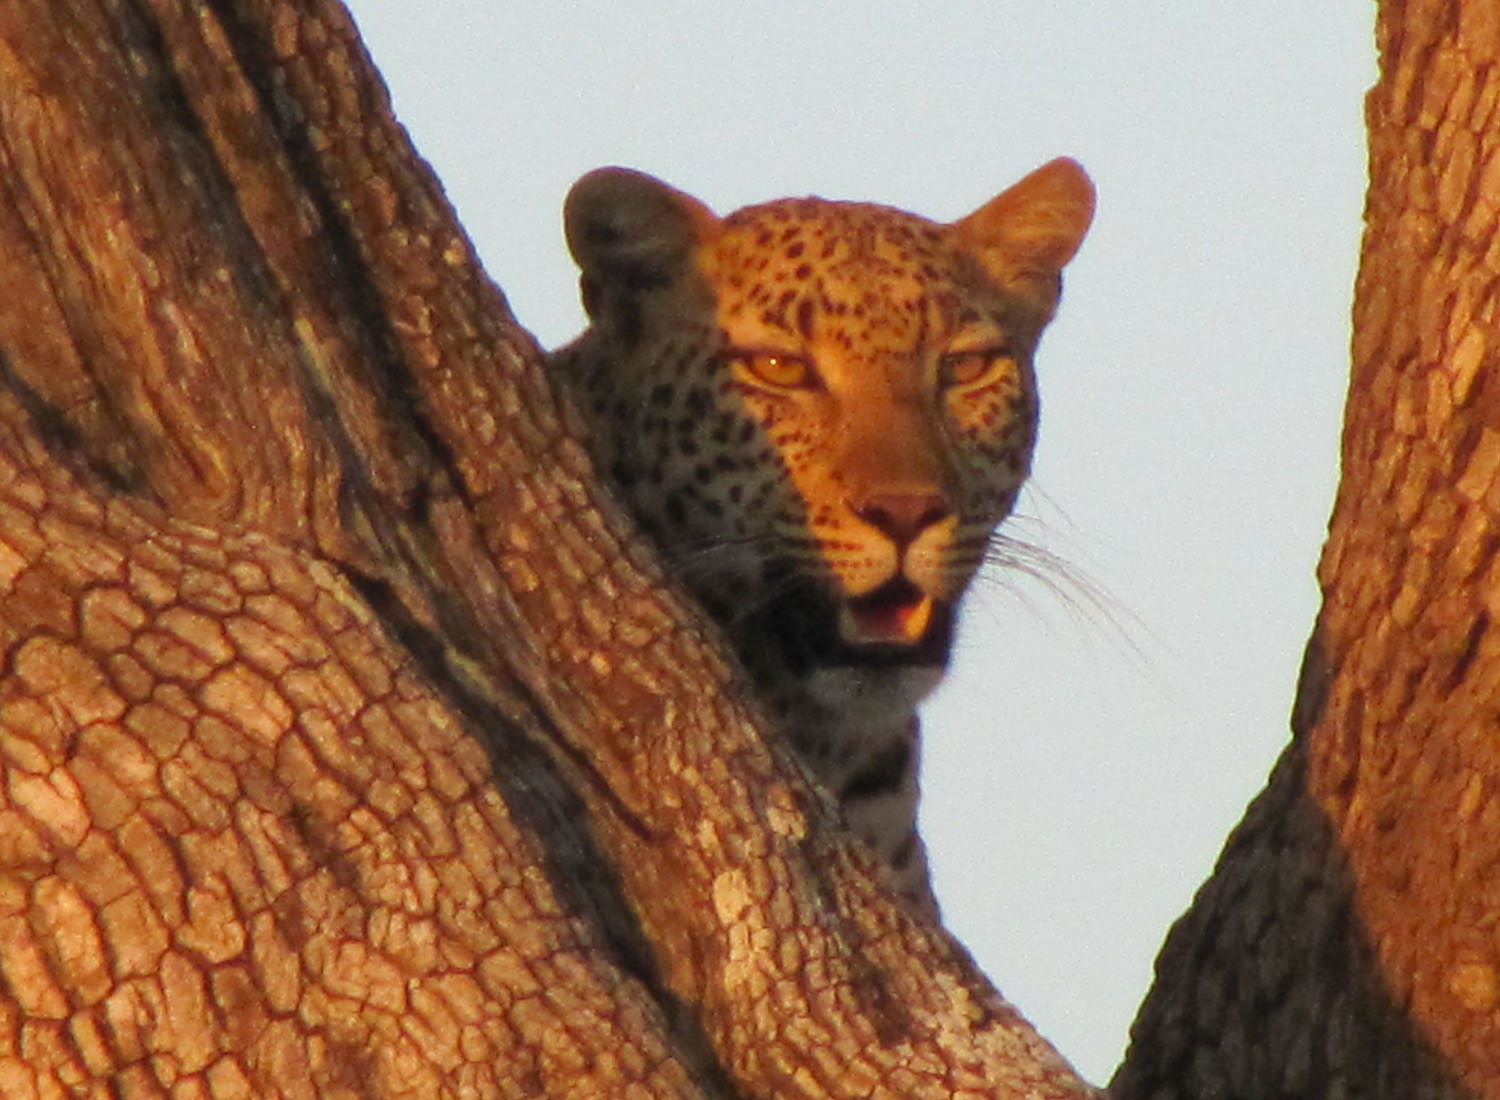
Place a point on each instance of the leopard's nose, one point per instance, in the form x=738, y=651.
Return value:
x=901, y=517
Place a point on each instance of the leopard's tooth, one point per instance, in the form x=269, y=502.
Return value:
x=914, y=620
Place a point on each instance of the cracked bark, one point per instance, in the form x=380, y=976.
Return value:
x=1346, y=945
x=350, y=745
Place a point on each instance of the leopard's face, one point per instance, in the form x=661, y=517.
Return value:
x=821, y=411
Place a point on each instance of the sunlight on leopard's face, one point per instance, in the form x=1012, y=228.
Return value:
x=821, y=411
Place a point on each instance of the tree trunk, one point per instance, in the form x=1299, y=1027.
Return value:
x=1347, y=943
x=351, y=744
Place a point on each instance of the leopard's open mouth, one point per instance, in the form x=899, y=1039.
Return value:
x=895, y=626
x=898, y=613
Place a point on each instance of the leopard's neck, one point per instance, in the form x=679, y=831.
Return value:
x=857, y=729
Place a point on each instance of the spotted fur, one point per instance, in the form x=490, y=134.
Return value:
x=821, y=411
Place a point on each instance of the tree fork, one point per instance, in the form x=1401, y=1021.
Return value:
x=352, y=743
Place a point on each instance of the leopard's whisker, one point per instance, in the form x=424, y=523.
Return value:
x=1087, y=601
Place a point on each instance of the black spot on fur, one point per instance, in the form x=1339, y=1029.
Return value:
x=902, y=856
x=882, y=774
x=629, y=324
x=622, y=474
x=805, y=318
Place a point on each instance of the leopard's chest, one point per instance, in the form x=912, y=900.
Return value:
x=857, y=730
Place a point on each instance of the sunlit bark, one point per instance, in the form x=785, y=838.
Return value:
x=349, y=744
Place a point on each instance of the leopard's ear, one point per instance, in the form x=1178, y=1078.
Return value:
x=627, y=227
x=1027, y=233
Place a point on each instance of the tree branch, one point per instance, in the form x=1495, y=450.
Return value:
x=352, y=743
x=1345, y=945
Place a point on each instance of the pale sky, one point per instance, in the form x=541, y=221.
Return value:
x=1096, y=740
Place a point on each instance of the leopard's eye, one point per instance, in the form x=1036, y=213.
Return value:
x=778, y=371
x=973, y=368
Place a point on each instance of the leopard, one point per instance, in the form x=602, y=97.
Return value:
x=820, y=412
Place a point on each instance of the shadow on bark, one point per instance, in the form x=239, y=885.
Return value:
x=1269, y=986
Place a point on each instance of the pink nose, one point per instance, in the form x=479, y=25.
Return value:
x=902, y=516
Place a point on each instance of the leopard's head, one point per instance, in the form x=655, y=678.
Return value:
x=820, y=410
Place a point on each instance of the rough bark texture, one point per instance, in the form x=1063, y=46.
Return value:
x=1347, y=944
x=349, y=746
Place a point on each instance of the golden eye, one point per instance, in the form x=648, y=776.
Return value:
x=779, y=372
x=971, y=368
